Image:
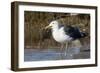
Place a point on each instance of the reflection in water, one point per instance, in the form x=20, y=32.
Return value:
x=53, y=54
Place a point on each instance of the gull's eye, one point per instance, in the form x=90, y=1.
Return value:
x=53, y=23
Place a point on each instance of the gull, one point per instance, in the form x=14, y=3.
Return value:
x=64, y=34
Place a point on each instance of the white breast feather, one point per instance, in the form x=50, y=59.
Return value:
x=60, y=36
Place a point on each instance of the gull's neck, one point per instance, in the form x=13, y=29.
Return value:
x=55, y=28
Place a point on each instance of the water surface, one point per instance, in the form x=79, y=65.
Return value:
x=54, y=54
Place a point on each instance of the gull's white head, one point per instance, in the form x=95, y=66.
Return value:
x=53, y=24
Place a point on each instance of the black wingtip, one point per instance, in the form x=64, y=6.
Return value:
x=84, y=34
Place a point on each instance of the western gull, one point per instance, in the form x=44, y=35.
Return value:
x=64, y=34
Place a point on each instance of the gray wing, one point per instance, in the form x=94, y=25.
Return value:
x=74, y=32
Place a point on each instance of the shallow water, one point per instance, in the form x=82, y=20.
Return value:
x=53, y=54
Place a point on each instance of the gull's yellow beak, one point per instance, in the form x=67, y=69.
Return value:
x=48, y=27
